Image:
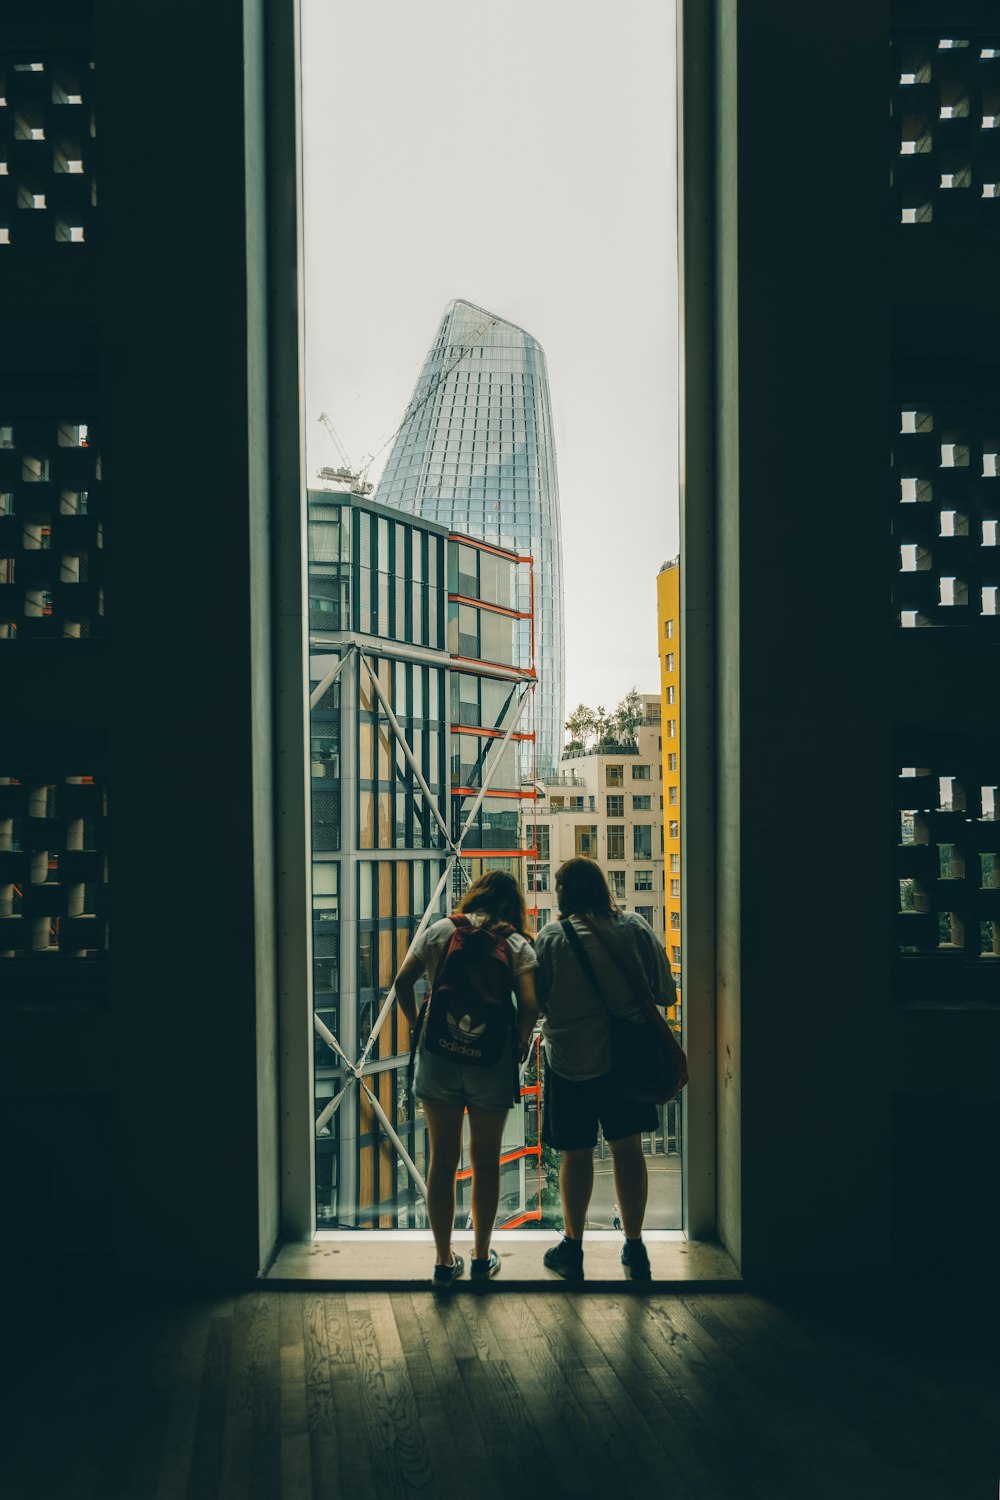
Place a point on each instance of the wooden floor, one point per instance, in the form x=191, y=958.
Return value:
x=281, y=1395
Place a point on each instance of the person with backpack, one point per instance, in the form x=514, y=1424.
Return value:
x=598, y=968
x=468, y=1042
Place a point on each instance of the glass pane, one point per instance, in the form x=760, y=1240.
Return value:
x=438, y=458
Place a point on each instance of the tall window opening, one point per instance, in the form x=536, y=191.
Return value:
x=491, y=417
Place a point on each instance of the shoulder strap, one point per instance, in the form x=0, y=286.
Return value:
x=458, y=922
x=583, y=959
x=633, y=971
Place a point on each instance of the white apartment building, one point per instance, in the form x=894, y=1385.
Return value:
x=607, y=803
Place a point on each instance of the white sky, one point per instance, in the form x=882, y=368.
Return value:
x=522, y=156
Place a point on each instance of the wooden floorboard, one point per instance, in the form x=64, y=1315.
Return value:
x=288, y=1395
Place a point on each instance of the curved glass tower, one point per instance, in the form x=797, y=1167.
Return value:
x=476, y=452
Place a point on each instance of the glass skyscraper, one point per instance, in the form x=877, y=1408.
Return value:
x=476, y=452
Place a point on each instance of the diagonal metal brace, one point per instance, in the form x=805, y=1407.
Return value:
x=331, y=1107
x=407, y=752
x=326, y=683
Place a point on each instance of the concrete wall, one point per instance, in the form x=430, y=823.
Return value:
x=147, y=1113
x=827, y=1079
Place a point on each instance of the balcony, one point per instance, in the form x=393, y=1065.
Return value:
x=606, y=747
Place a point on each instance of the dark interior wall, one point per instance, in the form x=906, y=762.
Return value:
x=166, y=1106
x=810, y=633
x=854, y=1087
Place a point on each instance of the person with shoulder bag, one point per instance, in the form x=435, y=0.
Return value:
x=611, y=1057
x=467, y=1043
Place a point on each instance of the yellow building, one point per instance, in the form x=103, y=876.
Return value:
x=668, y=617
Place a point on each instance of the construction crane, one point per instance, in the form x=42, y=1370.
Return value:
x=357, y=479
x=346, y=474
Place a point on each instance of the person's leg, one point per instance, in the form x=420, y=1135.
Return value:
x=576, y=1183
x=444, y=1129
x=486, y=1129
x=631, y=1182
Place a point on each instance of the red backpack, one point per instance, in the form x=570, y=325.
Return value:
x=469, y=1013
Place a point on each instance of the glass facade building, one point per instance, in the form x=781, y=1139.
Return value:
x=476, y=453
x=420, y=715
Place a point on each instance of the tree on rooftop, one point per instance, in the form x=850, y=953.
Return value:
x=582, y=725
x=628, y=715
x=621, y=726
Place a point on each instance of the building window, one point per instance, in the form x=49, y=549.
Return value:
x=614, y=775
x=646, y=913
x=642, y=841
x=675, y=956
x=616, y=841
x=672, y=761
x=671, y=695
x=644, y=880
x=643, y=803
x=576, y=804
x=675, y=921
x=641, y=773
x=671, y=729
x=538, y=877
x=616, y=807
x=672, y=795
x=616, y=880
x=537, y=837
x=544, y=914
x=675, y=861
x=557, y=804
x=675, y=829
x=585, y=840
x=675, y=889
x=668, y=629
x=54, y=896
x=670, y=661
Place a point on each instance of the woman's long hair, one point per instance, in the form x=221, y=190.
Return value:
x=583, y=890
x=499, y=896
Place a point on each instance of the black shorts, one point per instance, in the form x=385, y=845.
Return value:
x=573, y=1107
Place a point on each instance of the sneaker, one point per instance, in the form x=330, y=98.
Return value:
x=482, y=1269
x=566, y=1258
x=635, y=1261
x=445, y=1275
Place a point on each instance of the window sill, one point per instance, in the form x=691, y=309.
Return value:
x=401, y=1260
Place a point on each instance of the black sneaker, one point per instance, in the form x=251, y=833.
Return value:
x=481, y=1269
x=635, y=1261
x=446, y=1275
x=566, y=1258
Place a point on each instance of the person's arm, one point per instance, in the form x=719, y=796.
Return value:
x=405, y=980
x=661, y=978
x=527, y=1009
x=542, y=973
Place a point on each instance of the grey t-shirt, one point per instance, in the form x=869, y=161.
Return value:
x=574, y=1020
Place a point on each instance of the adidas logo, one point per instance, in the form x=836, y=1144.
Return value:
x=465, y=1026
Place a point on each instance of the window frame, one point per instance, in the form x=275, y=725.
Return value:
x=696, y=655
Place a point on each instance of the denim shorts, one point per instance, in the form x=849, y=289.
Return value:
x=438, y=1080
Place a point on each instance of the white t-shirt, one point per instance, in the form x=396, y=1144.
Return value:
x=431, y=945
